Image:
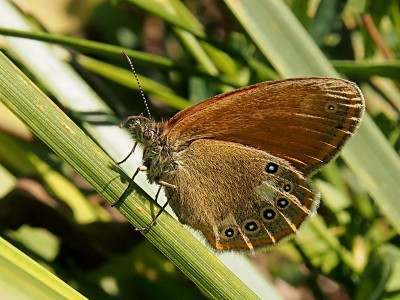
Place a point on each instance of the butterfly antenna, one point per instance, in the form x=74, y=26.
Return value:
x=137, y=80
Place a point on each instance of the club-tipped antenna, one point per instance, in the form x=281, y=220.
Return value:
x=137, y=80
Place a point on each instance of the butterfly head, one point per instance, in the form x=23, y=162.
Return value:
x=157, y=155
x=144, y=130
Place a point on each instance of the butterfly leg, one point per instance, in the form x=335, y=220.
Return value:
x=152, y=223
x=166, y=184
x=129, y=154
x=142, y=169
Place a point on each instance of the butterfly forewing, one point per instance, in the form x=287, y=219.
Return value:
x=303, y=120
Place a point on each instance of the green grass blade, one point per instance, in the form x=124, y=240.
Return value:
x=125, y=77
x=173, y=12
x=23, y=278
x=279, y=36
x=390, y=69
x=90, y=46
x=71, y=144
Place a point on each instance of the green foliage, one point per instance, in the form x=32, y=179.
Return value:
x=185, y=51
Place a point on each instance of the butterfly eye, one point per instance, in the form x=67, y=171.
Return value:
x=282, y=203
x=148, y=134
x=287, y=187
x=271, y=168
x=229, y=232
x=269, y=214
x=251, y=226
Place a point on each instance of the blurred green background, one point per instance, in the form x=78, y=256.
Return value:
x=186, y=51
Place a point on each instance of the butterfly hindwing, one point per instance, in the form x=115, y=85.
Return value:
x=239, y=197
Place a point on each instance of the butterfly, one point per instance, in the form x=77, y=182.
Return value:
x=237, y=166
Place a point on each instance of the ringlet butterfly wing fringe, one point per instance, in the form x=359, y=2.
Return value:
x=237, y=166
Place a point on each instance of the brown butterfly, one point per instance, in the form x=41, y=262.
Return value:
x=237, y=166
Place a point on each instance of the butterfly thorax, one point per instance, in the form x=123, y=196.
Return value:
x=157, y=155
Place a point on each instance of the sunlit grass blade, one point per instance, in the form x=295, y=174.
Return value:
x=72, y=145
x=365, y=69
x=23, y=278
x=173, y=12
